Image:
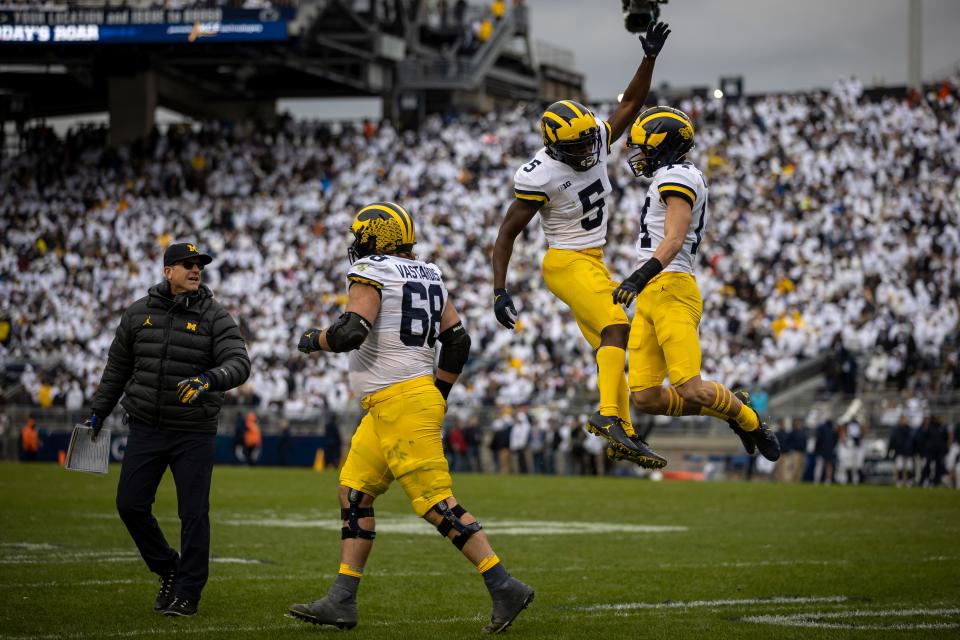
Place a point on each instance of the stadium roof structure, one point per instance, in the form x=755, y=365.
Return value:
x=234, y=63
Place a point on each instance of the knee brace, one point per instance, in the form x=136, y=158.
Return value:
x=352, y=515
x=451, y=520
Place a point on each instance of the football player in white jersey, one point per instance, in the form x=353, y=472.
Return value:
x=398, y=312
x=664, y=335
x=566, y=182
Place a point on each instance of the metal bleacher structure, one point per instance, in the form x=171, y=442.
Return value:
x=395, y=50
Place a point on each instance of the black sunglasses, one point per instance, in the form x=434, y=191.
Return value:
x=188, y=265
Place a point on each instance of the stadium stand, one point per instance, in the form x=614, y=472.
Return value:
x=833, y=228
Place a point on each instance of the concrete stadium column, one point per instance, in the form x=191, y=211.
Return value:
x=133, y=103
x=915, y=46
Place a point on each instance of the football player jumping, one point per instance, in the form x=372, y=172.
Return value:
x=398, y=312
x=566, y=182
x=663, y=337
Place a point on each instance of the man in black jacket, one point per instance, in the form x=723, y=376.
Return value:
x=175, y=353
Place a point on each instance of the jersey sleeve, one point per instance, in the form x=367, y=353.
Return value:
x=607, y=134
x=530, y=183
x=677, y=182
x=369, y=271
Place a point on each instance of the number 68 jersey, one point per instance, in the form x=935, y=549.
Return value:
x=573, y=212
x=400, y=345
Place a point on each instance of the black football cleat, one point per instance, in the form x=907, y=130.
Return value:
x=181, y=608
x=644, y=456
x=611, y=429
x=508, y=601
x=165, y=596
x=745, y=438
x=326, y=611
x=763, y=438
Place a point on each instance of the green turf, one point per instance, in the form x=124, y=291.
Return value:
x=875, y=549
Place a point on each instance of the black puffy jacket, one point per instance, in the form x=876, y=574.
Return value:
x=161, y=340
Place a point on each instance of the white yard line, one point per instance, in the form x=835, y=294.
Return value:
x=698, y=604
x=824, y=620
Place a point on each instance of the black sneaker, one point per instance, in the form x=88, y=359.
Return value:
x=643, y=455
x=327, y=611
x=763, y=438
x=181, y=607
x=165, y=596
x=611, y=429
x=508, y=601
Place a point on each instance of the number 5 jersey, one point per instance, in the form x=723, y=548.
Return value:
x=401, y=342
x=573, y=212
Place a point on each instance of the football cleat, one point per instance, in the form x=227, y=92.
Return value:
x=645, y=457
x=326, y=611
x=763, y=438
x=611, y=429
x=508, y=601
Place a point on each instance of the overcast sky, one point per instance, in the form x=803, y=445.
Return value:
x=774, y=44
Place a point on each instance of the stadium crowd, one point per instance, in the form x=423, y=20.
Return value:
x=833, y=224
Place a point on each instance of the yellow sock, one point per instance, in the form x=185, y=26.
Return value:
x=675, y=405
x=747, y=419
x=347, y=570
x=623, y=406
x=609, y=374
x=488, y=563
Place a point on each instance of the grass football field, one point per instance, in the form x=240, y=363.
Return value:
x=608, y=557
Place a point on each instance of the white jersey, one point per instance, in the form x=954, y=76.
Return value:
x=684, y=181
x=574, y=212
x=401, y=342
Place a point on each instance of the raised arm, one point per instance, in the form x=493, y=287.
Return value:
x=636, y=92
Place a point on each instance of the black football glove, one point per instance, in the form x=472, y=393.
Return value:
x=190, y=389
x=95, y=423
x=309, y=341
x=634, y=284
x=503, y=308
x=656, y=37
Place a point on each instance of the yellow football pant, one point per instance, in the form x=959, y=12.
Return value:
x=399, y=437
x=664, y=335
x=581, y=280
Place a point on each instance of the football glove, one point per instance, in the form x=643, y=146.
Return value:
x=309, y=341
x=190, y=389
x=95, y=423
x=630, y=288
x=503, y=308
x=656, y=37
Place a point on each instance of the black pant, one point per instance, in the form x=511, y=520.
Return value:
x=190, y=458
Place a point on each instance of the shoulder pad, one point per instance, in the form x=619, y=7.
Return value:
x=607, y=133
x=536, y=172
x=371, y=270
x=679, y=181
x=532, y=180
